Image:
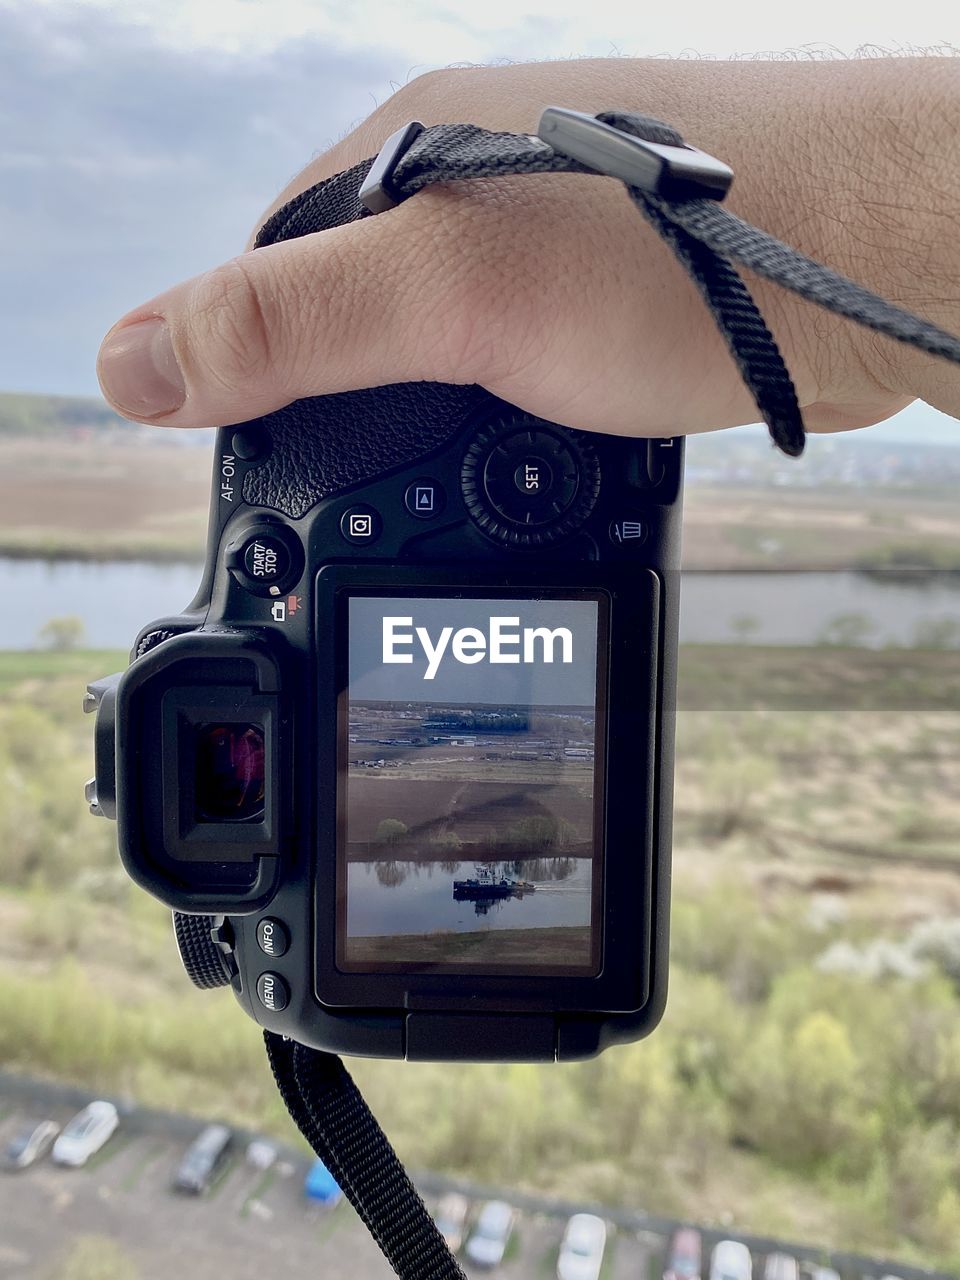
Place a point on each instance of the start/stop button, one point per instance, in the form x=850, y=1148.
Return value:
x=266, y=559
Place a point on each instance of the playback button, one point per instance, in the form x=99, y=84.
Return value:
x=424, y=498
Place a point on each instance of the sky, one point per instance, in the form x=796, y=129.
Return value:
x=141, y=139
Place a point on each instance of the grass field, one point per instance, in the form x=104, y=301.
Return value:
x=143, y=493
x=806, y=1079
x=548, y=947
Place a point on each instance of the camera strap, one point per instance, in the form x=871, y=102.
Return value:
x=330, y=1112
x=678, y=189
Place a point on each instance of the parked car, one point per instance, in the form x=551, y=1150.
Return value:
x=261, y=1155
x=491, y=1235
x=581, y=1250
x=684, y=1256
x=321, y=1185
x=31, y=1144
x=451, y=1218
x=731, y=1261
x=86, y=1133
x=203, y=1160
x=781, y=1266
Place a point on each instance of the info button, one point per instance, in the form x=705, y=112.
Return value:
x=272, y=937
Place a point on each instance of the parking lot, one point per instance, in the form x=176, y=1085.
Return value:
x=251, y=1225
x=255, y=1224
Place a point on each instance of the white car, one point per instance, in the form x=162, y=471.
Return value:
x=31, y=1144
x=86, y=1133
x=489, y=1238
x=781, y=1266
x=451, y=1219
x=731, y=1261
x=581, y=1251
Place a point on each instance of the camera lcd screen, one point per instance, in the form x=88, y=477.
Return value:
x=470, y=784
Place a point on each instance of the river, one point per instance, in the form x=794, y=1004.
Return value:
x=115, y=598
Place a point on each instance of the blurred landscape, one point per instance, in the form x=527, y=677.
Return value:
x=805, y=1082
x=80, y=482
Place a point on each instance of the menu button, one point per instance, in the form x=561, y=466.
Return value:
x=273, y=992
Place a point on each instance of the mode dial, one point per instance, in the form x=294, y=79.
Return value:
x=527, y=483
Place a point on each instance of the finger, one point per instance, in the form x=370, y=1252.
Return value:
x=373, y=302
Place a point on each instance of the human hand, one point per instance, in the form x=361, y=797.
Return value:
x=551, y=292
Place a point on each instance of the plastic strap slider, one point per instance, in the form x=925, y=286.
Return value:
x=377, y=192
x=672, y=173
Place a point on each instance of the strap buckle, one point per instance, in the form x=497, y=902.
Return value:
x=672, y=173
x=377, y=192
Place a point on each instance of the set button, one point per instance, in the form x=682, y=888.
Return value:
x=531, y=477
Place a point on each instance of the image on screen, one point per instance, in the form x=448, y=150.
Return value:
x=469, y=785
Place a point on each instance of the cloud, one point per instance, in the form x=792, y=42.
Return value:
x=127, y=164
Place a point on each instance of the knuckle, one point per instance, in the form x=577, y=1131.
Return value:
x=235, y=326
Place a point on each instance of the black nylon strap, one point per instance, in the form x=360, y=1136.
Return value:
x=331, y=1114
x=706, y=238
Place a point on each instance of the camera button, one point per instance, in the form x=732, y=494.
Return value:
x=266, y=559
x=273, y=938
x=628, y=533
x=361, y=525
x=273, y=992
x=424, y=498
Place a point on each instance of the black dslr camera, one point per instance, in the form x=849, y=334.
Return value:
x=403, y=769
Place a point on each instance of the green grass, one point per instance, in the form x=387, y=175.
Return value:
x=82, y=666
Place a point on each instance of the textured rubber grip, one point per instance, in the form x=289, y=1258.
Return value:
x=325, y=444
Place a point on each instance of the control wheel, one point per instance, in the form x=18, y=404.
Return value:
x=527, y=483
x=206, y=963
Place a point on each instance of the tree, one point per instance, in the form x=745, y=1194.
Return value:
x=391, y=831
x=744, y=626
x=62, y=634
x=848, y=630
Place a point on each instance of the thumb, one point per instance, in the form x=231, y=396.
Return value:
x=369, y=303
